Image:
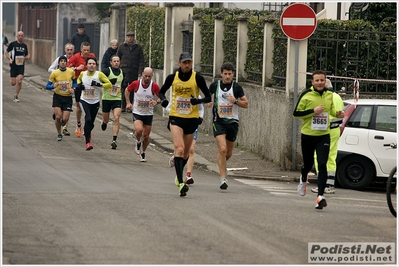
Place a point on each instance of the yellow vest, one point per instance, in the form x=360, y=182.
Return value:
x=182, y=92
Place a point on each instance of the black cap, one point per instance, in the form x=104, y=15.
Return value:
x=62, y=57
x=130, y=34
x=80, y=25
x=185, y=57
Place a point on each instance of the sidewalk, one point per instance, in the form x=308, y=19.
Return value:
x=242, y=164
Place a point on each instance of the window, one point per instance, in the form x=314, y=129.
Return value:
x=361, y=117
x=386, y=119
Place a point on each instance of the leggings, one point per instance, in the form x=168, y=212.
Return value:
x=90, y=112
x=320, y=144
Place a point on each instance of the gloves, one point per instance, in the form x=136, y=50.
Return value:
x=164, y=103
x=80, y=87
x=113, y=81
x=194, y=101
x=94, y=83
x=200, y=120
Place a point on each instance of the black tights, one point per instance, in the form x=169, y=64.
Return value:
x=322, y=146
x=90, y=113
x=179, y=166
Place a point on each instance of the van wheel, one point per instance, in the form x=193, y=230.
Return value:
x=355, y=172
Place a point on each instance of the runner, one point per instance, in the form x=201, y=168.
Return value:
x=184, y=115
x=143, y=109
x=63, y=81
x=112, y=98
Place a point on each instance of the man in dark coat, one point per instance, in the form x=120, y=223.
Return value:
x=80, y=37
x=132, y=63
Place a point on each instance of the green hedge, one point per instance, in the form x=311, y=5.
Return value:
x=139, y=20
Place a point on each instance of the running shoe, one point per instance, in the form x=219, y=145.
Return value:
x=59, y=137
x=113, y=144
x=78, y=131
x=327, y=190
x=103, y=126
x=183, y=188
x=302, y=187
x=223, y=183
x=142, y=157
x=189, y=179
x=65, y=131
x=138, y=146
x=89, y=146
x=177, y=182
x=320, y=203
x=172, y=161
x=16, y=99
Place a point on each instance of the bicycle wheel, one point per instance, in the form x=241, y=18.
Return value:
x=391, y=192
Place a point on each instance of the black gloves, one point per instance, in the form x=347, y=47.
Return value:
x=94, y=83
x=80, y=87
x=164, y=103
x=113, y=81
x=194, y=101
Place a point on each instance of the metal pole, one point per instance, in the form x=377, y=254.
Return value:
x=294, y=122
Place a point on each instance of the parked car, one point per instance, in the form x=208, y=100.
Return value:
x=362, y=157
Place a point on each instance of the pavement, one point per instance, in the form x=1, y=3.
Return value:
x=243, y=163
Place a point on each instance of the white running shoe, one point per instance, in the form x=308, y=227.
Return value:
x=302, y=187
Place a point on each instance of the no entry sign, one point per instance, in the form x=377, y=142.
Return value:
x=298, y=21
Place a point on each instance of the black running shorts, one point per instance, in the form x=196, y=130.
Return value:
x=63, y=102
x=17, y=70
x=147, y=120
x=108, y=105
x=189, y=125
x=230, y=130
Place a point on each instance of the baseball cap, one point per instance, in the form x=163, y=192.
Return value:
x=185, y=57
x=80, y=25
x=130, y=34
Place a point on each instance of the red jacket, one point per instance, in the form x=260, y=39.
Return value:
x=77, y=60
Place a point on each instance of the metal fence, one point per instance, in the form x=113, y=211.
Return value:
x=362, y=54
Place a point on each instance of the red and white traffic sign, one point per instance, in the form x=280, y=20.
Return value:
x=298, y=21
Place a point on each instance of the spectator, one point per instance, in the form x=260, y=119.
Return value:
x=132, y=64
x=79, y=37
x=106, y=61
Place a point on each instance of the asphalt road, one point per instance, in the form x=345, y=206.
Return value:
x=65, y=205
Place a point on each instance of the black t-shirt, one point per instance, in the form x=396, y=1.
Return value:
x=18, y=52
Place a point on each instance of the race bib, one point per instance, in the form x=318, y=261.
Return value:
x=19, y=60
x=63, y=87
x=143, y=104
x=225, y=110
x=319, y=121
x=183, y=105
x=114, y=90
x=89, y=93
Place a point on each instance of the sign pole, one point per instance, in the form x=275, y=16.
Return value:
x=294, y=122
x=298, y=22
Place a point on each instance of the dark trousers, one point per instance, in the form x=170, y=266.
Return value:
x=322, y=146
x=90, y=111
x=131, y=96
